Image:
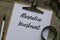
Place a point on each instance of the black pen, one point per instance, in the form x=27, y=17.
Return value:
x=3, y=23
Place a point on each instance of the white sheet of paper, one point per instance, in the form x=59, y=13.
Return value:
x=27, y=25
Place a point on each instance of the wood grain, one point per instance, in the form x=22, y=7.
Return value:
x=7, y=6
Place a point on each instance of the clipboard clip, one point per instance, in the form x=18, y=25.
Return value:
x=33, y=7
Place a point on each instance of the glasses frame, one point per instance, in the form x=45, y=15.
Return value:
x=54, y=4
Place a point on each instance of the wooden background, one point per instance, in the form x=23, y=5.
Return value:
x=6, y=7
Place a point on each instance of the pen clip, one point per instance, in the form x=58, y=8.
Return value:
x=33, y=7
x=4, y=17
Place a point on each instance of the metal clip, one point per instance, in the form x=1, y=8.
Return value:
x=33, y=7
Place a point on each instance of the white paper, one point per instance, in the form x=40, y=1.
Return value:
x=20, y=25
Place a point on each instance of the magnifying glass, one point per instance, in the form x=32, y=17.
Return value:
x=53, y=32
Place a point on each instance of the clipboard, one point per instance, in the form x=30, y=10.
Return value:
x=37, y=14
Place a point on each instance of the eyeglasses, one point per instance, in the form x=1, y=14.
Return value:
x=56, y=7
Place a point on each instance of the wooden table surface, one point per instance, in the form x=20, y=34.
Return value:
x=6, y=9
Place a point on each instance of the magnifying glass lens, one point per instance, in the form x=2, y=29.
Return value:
x=52, y=33
x=45, y=33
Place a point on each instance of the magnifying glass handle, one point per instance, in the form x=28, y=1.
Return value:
x=56, y=7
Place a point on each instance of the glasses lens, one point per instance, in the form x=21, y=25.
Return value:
x=58, y=14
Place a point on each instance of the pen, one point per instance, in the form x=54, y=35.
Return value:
x=3, y=23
